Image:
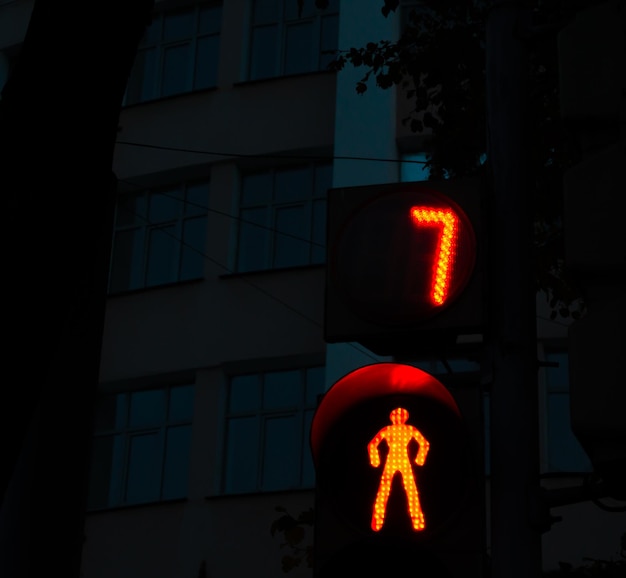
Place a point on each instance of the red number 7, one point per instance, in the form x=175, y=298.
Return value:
x=448, y=223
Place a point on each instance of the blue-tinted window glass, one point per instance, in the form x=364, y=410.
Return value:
x=144, y=469
x=299, y=49
x=193, y=248
x=413, y=167
x=280, y=453
x=253, y=239
x=558, y=377
x=165, y=206
x=197, y=199
x=205, y=74
x=315, y=384
x=293, y=185
x=328, y=43
x=176, y=471
x=176, y=71
x=210, y=19
x=257, y=189
x=152, y=33
x=177, y=26
x=147, y=408
x=163, y=248
x=245, y=393
x=264, y=49
x=146, y=65
x=282, y=389
x=308, y=470
x=323, y=180
x=266, y=10
x=318, y=237
x=291, y=245
x=181, y=403
x=242, y=454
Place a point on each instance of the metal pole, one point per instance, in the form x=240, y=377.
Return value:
x=515, y=539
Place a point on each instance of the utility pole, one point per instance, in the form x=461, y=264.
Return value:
x=515, y=539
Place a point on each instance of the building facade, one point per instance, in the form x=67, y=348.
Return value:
x=213, y=354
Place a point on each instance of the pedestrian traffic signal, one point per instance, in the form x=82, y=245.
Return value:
x=398, y=485
x=404, y=264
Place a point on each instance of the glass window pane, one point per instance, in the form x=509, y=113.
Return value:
x=281, y=453
x=207, y=59
x=197, y=199
x=163, y=248
x=328, y=43
x=127, y=261
x=144, y=468
x=165, y=206
x=210, y=20
x=153, y=32
x=147, y=408
x=107, y=467
x=291, y=247
x=181, y=403
x=565, y=453
x=293, y=185
x=318, y=249
x=292, y=9
x=111, y=412
x=323, y=180
x=282, y=389
x=308, y=470
x=264, y=44
x=315, y=384
x=176, y=471
x=178, y=25
x=253, y=240
x=242, y=454
x=194, y=241
x=245, y=393
x=266, y=10
x=299, y=48
x=176, y=70
x=257, y=189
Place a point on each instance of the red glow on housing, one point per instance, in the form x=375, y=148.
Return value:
x=447, y=221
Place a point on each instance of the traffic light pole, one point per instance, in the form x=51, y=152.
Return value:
x=514, y=501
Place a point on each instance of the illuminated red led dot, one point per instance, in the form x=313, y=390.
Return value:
x=448, y=223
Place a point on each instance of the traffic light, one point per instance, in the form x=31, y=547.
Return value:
x=405, y=264
x=399, y=488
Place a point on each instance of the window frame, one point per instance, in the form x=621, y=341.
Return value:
x=303, y=477
x=313, y=204
x=136, y=82
x=122, y=433
x=135, y=264
x=283, y=21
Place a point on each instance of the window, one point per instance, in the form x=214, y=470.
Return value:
x=141, y=447
x=178, y=53
x=283, y=217
x=283, y=42
x=267, y=430
x=159, y=237
x=564, y=452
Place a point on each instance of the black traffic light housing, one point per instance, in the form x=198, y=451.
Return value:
x=449, y=481
x=383, y=260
